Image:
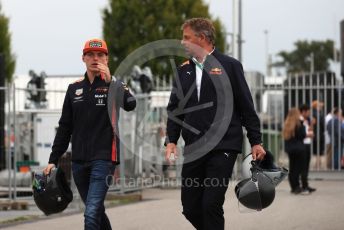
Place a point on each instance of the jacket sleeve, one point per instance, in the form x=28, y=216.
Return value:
x=124, y=97
x=174, y=122
x=64, y=131
x=129, y=101
x=244, y=103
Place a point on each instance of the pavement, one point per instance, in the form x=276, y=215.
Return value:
x=161, y=210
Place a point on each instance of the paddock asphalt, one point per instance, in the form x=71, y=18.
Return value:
x=161, y=209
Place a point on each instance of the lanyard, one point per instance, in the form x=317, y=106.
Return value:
x=201, y=65
x=198, y=64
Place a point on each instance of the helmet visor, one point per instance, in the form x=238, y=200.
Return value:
x=248, y=196
x=277, y=175
x=39, y=182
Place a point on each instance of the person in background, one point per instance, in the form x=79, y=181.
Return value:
x=318, y=129
x=336, y=133
x=328, y=150
x=305, y=118
x=294, y=134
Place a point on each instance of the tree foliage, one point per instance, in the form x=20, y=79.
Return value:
x=300, y=59
x=128, y=25
x=5, y=46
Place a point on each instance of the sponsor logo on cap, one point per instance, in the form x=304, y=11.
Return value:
x=95, y=44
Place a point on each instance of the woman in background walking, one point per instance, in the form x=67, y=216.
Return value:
x=294, y=134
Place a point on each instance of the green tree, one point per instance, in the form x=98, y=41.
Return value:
x=5, y=46
x=305, y=52
x=128, y=25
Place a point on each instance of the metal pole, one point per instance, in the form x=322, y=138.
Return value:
x=240, y=30
x=339, y=129
x=289, y=76
x=2, y=112
x=331, y=134
x=335, y=51
x=304, y=100
x=235, y=28
x=297, y=89
x=9, y=158
x=261, y=92
x=311, y=99
x=283, y=112
x=318, y=120
x=342, y=49
x=326, y=106
x=276, y=150
x=312, y=62
x=266, y=32
x=269, y=116
x=122, y=164
x=15, y=143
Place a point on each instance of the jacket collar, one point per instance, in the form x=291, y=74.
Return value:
x=87, y=80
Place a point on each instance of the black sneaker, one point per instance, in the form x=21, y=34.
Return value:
x=305, y=192
x=310, y=189
x=297, y=190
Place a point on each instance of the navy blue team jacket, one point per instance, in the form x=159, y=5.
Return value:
x=85, y=119
x=186, y=119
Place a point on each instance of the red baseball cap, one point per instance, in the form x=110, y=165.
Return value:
x=95, y=45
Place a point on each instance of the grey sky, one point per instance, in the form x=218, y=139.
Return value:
x=49, y=35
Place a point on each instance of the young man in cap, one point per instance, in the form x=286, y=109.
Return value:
x=85, y=118
x=209, y=113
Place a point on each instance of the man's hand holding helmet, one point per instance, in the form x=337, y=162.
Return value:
x=48, y=169
x=258, y=152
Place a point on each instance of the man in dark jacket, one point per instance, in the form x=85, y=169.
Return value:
x=209, y=103
x=336, y=132
x=85, y=119
x=305, y=118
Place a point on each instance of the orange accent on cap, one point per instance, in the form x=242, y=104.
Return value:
x=95, y=45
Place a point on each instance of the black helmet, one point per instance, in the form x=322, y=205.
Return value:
x=257, y=192
x=51, y=192
x=267, y=165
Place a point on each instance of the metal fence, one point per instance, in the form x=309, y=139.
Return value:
x=33, y=127
x=273, y=97
x=30, y=128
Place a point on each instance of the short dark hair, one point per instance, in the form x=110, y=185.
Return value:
x=304, y=107
x=335, y=110
x=201, y=26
